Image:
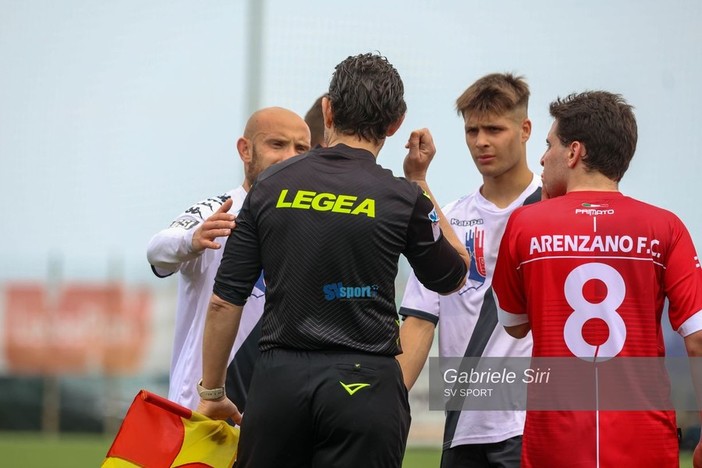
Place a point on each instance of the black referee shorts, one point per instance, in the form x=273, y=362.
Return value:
x=324, y=410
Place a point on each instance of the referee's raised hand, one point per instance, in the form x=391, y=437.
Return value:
x=220, y=224
x=421, y=152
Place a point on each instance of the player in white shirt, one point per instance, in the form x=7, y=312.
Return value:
x=192, y=246
x=497, y=128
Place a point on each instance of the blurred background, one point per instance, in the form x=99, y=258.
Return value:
x=116, y=116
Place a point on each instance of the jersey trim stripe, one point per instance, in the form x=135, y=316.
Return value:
x=533, y=198
x=407, y=312
x=691, y=325
x=508, y=319
x=153, y=268
x=588, y=257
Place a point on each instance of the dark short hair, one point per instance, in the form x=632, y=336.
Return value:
x=494, y=94
x=315, y=120
x=605, y=123
x=367, y=96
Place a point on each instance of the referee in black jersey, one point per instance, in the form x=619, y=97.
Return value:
x=327, y=228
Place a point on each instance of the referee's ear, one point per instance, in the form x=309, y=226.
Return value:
x=327, y=113
x=395, y=126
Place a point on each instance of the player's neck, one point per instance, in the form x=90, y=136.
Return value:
x=504, y=189
x=354, y=141
x=592, y=181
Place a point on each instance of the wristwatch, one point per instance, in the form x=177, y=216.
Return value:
x=210, y=393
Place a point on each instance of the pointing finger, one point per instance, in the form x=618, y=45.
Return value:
x=225, y=206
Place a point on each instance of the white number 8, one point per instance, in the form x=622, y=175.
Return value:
x=583, y=310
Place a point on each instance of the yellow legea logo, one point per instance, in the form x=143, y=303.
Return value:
x=325, y=201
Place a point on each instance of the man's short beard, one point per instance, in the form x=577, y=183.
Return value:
x=254, y=166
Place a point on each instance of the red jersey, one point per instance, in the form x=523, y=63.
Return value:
x=590, y=272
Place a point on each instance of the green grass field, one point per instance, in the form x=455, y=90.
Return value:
x=31, y=450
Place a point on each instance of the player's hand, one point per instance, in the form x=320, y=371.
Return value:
x=421, y=152
x=697, y=456
x=220, y=224
x=219, y=409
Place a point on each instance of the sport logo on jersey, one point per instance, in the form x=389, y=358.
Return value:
x=475, y=244
x=594, y=209
x=204, y=208
x=184, y=223
x=465, y=222
x=334, y=291
x=434, y=218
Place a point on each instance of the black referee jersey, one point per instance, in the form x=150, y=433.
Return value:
x=327, y=228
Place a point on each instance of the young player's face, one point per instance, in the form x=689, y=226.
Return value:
x=277, y=142
x=555, y=164
x=497, y=142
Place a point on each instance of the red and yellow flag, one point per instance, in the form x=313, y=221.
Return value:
x=158, y=433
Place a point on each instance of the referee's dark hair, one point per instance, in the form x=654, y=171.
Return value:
x=366, y=95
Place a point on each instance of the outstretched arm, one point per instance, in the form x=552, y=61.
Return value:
x=171, y=247
x=421, y=152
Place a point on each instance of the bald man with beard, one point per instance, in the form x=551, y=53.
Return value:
x=192, y=245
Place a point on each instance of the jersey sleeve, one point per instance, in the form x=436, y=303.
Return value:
x=419, y=302
x=435, y=262
x=241, y=260
x=507, y=285
x=170, y=248
x=683, y=282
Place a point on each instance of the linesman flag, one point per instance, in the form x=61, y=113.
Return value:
x=158, y=433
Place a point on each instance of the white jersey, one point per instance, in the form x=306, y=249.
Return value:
x=170, y=251
x=468, y=319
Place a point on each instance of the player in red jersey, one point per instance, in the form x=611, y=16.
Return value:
x=587, y=271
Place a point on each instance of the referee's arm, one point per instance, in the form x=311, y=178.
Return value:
x=237, y=273
x=446, y=229
x=436, y=263
x=221, y=326
x=421, y=152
